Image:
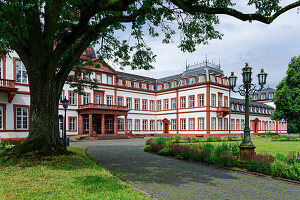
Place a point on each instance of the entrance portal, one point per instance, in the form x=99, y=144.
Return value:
x=98, y=126
x=166, y=126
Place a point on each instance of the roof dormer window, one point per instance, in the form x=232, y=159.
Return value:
x=151, y=87
x=128, y=83
x=136, y=84
x=166, y=85
x=159, y=86
x=271, y=95
x=263, y=96
x=192, y=80
x=173, y=84
x=120, y=82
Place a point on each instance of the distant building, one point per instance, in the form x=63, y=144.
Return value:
x=194, y=102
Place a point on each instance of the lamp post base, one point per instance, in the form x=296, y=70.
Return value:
x=246, y=151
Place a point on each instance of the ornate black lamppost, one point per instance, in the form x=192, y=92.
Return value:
x=65, y=104
x=246, y=89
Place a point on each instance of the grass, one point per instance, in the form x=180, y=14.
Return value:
x=276, y=147
x=61, y=177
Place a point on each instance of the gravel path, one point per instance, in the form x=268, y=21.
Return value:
x=169, y=178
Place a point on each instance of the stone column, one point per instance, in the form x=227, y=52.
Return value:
x=80, y=125
x=125, y=125
x=102, y=124
x=115, y=124
x=90, y=124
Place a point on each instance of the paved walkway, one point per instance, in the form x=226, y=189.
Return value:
x=169, y=178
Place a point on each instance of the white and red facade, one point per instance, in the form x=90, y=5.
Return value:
x=196, y=102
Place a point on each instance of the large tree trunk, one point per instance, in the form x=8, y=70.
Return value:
x=44, y=138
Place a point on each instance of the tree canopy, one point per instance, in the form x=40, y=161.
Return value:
x=51, y=35
x=287, y=96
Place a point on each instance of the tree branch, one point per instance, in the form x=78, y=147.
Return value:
x=193, y=9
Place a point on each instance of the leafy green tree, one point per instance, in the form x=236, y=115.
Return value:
x=287, y=96
x=50, y=36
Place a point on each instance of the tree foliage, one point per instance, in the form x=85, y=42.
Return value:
x=287, y=96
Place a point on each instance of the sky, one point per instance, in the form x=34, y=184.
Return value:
x=263, y=46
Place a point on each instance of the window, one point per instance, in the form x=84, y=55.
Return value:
x=237, y=123
x=1, y=68
x=136, y=104
x=1, y=116
x=159, y=125
x=173, y=122
x=201, y=79
x=263, y=96
x=166, y=86
x=220, y=101
x=182, y=100
x=192, y=124
x=109, y=80
x=159, y=105
x=271, y=94
x=173, y=102
x=225, y=101
x=86, y=98
x=232, y=124
x=98, y=99
x=144, y=85
x=219, y=123
x=213, y=100
x=173, y=84
x=159, y=86
x=71, y=98
x=120, y=82
x=137, y=125
x=144, y=104
x=145, y=125
x=136, y=84
x=120, y=101
x=182, y=122
x=128, y=103
x=192, y=101
x=213, y=123
x=166, y=104
x=151, y=87
x=86, y=124
x=183, y=82
x=152, y=105
x=201, y=100
x=255, y=97
x=109, y=100
x=109, y=124
x=98, y=78
x=21, y=74
x=72, y=123
x=192, y=80
x=152, y=128
x=120, y=124
x=225, y=124
x=201, y=123
x=129, y=124
x=128, y=83
x=60, y=122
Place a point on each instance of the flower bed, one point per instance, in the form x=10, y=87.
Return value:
x=225, y=154
x=288, y=138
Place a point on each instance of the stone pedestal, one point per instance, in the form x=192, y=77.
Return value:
x=246, y=153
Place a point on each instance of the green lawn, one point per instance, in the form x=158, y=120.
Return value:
x=62, y=177
x=275, y=147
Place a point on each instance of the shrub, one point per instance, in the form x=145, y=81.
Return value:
x=293, y=157
x=149, y=141
x=164, y=152
x=9, y=146
x=261, y=163
x=147, y=148
x=156, y=147
x=285, y=170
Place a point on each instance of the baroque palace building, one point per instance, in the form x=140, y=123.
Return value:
x=194, y=103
